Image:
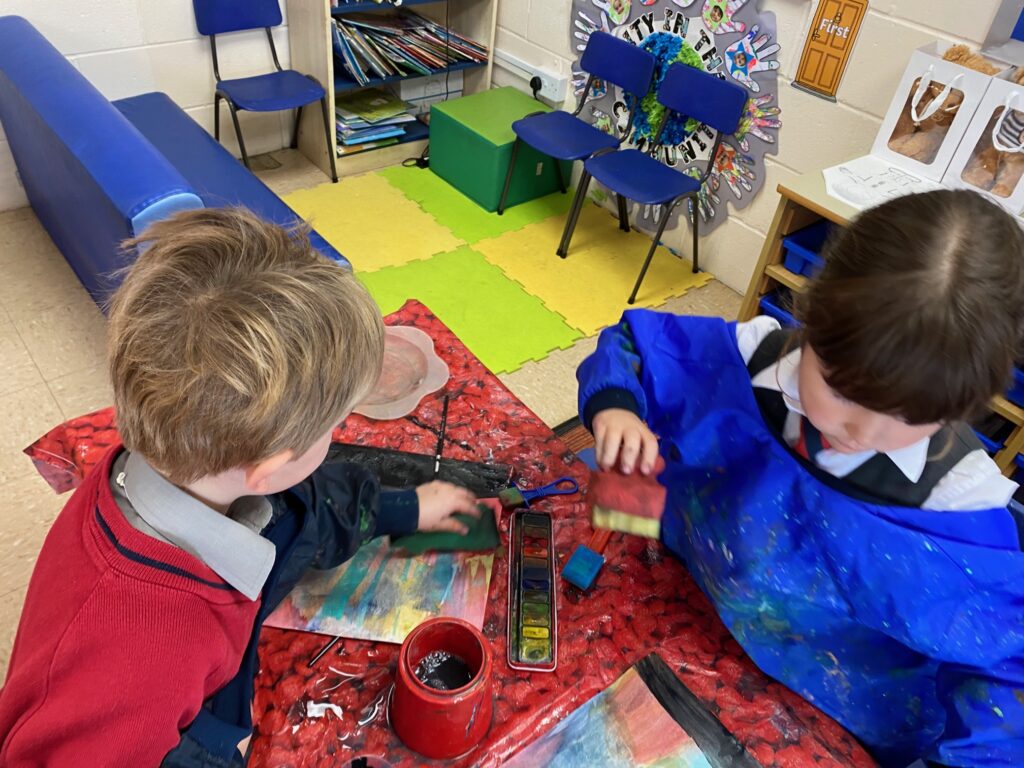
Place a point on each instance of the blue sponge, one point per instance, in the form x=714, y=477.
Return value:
x=582, y=568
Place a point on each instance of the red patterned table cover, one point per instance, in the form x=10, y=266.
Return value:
x=643, y=601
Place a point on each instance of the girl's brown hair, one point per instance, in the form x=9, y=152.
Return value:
x=919, y=309
x=231, y=340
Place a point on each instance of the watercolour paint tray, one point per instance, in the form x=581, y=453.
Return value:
x=532, y=593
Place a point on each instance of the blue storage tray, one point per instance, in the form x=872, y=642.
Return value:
x=993, y=431
x=991, y=446
x=1015, y=394
x=773, y=304
x=802, y=249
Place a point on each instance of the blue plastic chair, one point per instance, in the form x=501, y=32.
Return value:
x=634, y=175
x=272, y=92
x=565, y=136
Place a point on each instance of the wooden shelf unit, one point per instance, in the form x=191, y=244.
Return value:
x=803, y=202
x=309, y=38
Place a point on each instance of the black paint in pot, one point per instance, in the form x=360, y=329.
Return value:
x=443, y=671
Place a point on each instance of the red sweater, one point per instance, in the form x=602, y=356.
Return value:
x=121, y=639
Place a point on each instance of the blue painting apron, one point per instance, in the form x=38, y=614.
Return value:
x=905, y=625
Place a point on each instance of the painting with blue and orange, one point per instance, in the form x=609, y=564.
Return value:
x=381, y=594
x=622, y=727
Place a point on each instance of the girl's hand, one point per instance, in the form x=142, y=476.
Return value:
x=439, y=501
x=624, y=439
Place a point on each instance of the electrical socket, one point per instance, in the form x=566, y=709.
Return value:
x=553, y=86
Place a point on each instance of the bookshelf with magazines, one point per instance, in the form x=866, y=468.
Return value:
x=362, y=50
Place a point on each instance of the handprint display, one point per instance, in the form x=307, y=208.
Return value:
x=757, y=120
x=617, y=10
x=735, y=169
x=719, y=15
x=749, y=55
x=602, y=121
x=585, y=26
x=707, y=199
x=598, y=89
x=727, y=38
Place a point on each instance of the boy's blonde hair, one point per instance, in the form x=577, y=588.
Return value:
x=231, y=340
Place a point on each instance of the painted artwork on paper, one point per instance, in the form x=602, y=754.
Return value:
x=640, y=721
x=381, y=594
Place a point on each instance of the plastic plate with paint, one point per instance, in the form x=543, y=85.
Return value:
x=412, y=370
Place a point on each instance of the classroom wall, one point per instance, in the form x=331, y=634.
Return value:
x=815, y=132
x=127, y=47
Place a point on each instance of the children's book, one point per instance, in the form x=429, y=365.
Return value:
x=370, y=104
x=359, y=137
x=353, y=149
x=343, y=52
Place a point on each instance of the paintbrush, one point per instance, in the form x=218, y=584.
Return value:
x=440, y=438
x=514, y=496
x=629, y=503
x=319, y=654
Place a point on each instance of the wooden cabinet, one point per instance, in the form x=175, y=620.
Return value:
x=309, y=37
x=803, y=202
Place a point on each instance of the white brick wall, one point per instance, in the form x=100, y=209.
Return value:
x=127, y=47
x=815, y=133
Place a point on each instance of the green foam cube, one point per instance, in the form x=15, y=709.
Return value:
x=471, y=145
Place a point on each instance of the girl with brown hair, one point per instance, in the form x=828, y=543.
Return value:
x=824, y=489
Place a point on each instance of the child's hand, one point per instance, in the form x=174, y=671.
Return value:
x=439, y=501
x=621, y=436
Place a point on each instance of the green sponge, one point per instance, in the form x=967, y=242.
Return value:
x=482, y=536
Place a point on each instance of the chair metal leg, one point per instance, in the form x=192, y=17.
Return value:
x=216, y=116
x=574, y=215
x=329, y=132
x=696, y=234
x=560, y=175
x=654, y=246
x=508, y=176
x=295, y=130
x=238, y=133
x=623, y=212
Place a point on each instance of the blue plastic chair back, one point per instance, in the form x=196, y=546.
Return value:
x=628, y=66
x=214, y=17
x=704, y=97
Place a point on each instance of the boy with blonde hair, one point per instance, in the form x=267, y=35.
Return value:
x=234, y=350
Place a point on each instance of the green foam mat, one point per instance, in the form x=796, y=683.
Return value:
x=500, y=323
x=463, y=217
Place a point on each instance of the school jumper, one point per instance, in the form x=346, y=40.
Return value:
x=133, y=652
x=904, y=624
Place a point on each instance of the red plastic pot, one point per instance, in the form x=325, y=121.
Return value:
x=438, y=723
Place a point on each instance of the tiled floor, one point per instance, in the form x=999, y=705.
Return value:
x=51, y=350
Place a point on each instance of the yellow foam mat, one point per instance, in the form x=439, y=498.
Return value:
x=370, y=223
x=590, y=287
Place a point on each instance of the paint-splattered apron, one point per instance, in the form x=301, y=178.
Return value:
x=906, y=626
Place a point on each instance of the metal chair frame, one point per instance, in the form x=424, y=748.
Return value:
x=220, y=94
x=668, y=206
x=620, y=135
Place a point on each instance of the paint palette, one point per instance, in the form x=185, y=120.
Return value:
x=532, y=627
